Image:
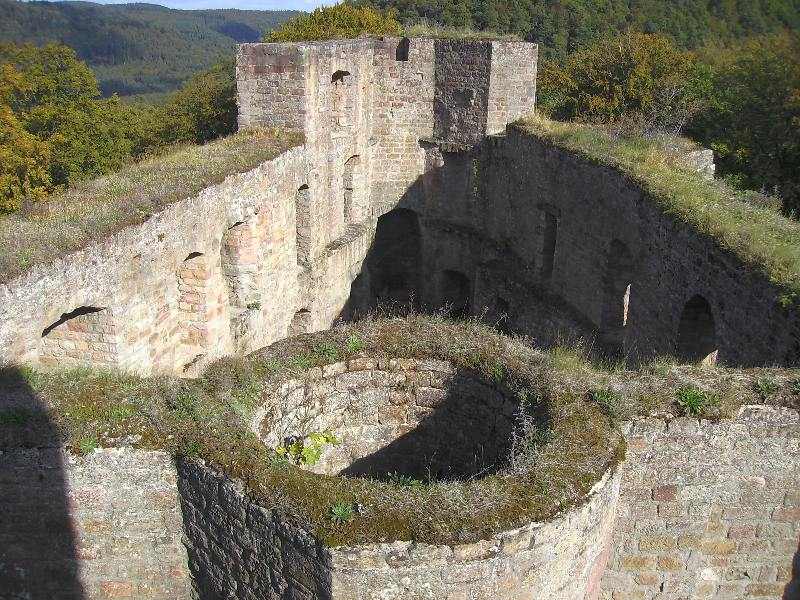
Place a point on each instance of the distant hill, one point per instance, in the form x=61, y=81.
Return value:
x=562, y=26
x=136, y=48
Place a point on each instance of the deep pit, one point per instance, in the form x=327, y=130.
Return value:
x=414, y=419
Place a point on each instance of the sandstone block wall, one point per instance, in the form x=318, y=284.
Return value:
x=709, y=510
x=107, y=525
x=389, y=417
x=240, y=550
x=208, y=276
x=629, y=270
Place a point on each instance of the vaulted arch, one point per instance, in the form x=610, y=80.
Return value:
x=697, y=332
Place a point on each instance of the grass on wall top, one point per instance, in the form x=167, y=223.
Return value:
x=92, y=210
x=759, y=235
x=209, y=418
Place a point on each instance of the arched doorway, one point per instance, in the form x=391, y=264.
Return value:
x=697, y=333
x=456, y=293
x=394, y=261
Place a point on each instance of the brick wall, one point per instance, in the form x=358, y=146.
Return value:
x=107, y=525
x=709, y=510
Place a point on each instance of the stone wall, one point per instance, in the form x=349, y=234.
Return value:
x=107, y=525
x=502, y=229
x=240, y=550
x=641, y=279
x=205, y=277
x=706, y=510
x=709, y=509
x=388, y=417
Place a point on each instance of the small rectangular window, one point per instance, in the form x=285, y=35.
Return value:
x=549, y=244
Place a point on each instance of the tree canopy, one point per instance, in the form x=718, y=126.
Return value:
x=338, y=21
x=56, y=129
x=136, y=48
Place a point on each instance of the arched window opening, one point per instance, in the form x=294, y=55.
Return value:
x=617, y=281
x=341, y=78
x=393, y=263
x=350, y=175
x=402, y=51
x=456, y=293
x=193, y=278
x=342, y=98
x=84, y=336
x=303, y=224
x=697, y=335
x=239, y=261
x=301, y=322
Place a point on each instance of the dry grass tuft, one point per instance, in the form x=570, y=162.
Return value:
x=98, y=208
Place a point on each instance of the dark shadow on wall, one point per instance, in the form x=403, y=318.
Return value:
x=403, y=271
x=38, y=543
x=792, y=591
x=238, y=549
x=465, y=431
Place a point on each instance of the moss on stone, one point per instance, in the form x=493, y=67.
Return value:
x=210, y=418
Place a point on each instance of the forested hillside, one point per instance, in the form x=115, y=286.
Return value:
x=136, y=48
x=562, y=26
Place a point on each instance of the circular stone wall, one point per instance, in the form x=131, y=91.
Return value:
x=443, y=483
x=420, y=419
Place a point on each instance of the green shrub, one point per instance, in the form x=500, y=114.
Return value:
x=403, y=480
x=640, y=77
x=336, y=22
x=607, y=399
x=327, y=352
x=354, y=344
x=308, y=450
x=87, y=445
x=342, y=512
x=694, y=401
x=766, y=386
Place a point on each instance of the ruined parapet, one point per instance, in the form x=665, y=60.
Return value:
x=469, y=88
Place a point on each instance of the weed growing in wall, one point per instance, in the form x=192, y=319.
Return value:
x=307, y=451
x=403, y=480
x=766, y=387
x=695, y=402
x=342, y=512
x=607, y=399
x=354, y=344
x=88, y=445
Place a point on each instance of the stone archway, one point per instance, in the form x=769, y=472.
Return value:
x=697, y=333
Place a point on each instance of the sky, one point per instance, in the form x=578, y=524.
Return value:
x=244, y=4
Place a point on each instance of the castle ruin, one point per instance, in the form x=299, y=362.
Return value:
x=414, y=188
